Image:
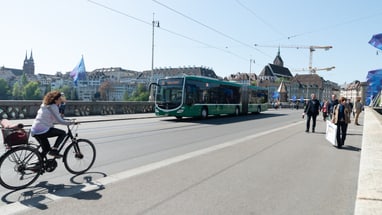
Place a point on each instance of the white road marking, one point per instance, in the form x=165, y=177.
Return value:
x=17, y=207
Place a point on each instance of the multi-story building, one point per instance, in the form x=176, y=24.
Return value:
x=115, y=82
x=353, y=90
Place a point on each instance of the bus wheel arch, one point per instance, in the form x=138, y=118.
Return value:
x=204, y=112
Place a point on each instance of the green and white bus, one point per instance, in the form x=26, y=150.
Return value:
x=198, y=96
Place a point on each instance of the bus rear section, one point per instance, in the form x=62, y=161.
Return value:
x=257, y=99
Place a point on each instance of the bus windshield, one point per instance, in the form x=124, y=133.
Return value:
x=169, y=93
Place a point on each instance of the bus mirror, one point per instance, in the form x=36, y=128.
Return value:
x=155, y=84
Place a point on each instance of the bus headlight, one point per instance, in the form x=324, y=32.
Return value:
x=179, y=111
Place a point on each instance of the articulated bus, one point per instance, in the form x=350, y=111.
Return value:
x=197, y=96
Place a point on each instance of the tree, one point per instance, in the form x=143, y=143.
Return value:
x=17, y=91
x=126, y=96
x=4, y=89
x=67, y=91
x=24, y=80
x=104, y=90
x=141, y=94
x=32, y=91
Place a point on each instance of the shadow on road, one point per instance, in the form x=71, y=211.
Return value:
x=39, y=195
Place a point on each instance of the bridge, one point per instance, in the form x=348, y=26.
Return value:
x=266, y=165
x=27, y=109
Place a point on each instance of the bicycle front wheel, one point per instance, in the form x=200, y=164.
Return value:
x=20, y=167
x=79, y=156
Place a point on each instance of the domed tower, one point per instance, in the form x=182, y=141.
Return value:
x=28, y=66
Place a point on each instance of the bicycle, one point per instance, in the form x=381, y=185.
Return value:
x=22, y=164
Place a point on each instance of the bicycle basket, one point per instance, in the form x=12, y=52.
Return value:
x=13, y=137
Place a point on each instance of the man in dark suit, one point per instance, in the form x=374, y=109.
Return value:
x=311, y=110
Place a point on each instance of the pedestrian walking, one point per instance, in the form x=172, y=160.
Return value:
x=358, y=109
x=325, y=110
x=61, y=107
x=311, y=110
x=341, y=117
x=333, y=102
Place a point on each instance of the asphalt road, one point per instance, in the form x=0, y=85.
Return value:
x=257, y=164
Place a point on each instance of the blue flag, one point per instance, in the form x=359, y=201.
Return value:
x=79, y=72
x=374, y=81
x=376, y=41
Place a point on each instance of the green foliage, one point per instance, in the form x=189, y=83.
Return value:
x=24, y=80
x=141, y=94
x=126, y=96
x=67, y=91
x=32, y=91
x=17, y=91
x=4, y=89
x=254, y=83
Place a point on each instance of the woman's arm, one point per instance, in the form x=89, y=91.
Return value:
x=57, y=116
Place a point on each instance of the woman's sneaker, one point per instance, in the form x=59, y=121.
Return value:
x=54, y=153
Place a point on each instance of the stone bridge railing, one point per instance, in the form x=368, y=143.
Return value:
x=27, y=109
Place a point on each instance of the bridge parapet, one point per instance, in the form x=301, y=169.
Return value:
x=27, y=109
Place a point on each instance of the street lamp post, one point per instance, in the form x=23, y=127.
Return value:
x=250, y=70
x=154, y=24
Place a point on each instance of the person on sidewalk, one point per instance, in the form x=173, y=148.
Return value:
x=43, y=125
x=358, y=109
x=312, y=109
x=62, y=106
x=341, y=117
x=325, y=110
x=333, y=102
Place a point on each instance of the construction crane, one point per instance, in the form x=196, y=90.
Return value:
x=311, y=50
x=315, y=69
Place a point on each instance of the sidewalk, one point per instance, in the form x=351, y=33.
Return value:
x=369, y=195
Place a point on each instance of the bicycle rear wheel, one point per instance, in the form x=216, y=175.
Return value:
x=79, y=156
x=20, y=167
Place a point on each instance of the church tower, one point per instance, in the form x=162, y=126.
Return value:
x=278, y=60
x=28, y=67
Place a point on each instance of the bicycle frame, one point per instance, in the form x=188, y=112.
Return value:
x=69, y=135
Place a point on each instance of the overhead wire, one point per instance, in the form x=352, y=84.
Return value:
x=208, y=27
x=284, y=36
x=261, y=19
x=335, y=25
x=167, y=30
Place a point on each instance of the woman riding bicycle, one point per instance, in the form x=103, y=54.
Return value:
x=43, y=125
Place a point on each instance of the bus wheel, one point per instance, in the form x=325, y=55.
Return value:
x=204, y=113
x=237, y=111
x=178, y=117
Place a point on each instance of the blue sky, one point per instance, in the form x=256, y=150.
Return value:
x=210, y=33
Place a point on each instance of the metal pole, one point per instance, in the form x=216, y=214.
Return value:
x=151, y=97
x=250, y=70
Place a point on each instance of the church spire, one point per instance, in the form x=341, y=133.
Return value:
x=28, y=66
x=31, y=57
